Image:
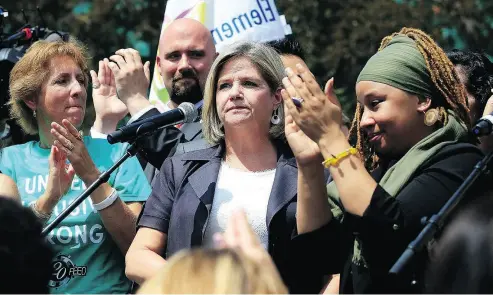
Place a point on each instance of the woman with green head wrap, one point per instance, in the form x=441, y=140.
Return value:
x=413, y=151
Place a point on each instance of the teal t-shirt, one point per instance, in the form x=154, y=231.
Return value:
x=87, y=260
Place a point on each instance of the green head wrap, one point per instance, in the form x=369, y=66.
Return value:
x=401, y=65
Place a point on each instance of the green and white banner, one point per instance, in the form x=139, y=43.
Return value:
x=228, y=21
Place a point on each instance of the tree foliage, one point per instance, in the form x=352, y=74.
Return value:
x=104, y=25
x=338, y=36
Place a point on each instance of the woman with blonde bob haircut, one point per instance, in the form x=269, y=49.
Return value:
x=48, y=88
x=267, y=63
x=250, y=166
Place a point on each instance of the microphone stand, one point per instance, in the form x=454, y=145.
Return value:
x=104, y=177
x=436, y=222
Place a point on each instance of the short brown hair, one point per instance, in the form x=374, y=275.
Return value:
x=213, y=271
x=32, y=70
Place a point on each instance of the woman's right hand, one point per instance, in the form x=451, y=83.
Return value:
x=106, y=103
x=59, y=180
x=320, y=114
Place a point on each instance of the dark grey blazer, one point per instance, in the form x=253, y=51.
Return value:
x=182, y=197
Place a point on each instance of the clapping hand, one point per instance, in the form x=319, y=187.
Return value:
x=304, y=149
x=60, y=179
x=70, y=142
x=320, y=114
x=131, y=76
x=60, y=176
x=106, y=103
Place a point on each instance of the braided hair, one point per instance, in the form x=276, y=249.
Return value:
x=450, y=91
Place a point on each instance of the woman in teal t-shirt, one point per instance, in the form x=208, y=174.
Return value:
x=48, y=88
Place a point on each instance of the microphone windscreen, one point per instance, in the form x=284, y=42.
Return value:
x=190, y=112
x=53, y=37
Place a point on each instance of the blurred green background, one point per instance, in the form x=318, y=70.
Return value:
x=338, y=36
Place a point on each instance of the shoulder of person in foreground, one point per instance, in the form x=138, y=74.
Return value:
x=461, y=259
x=23, y=252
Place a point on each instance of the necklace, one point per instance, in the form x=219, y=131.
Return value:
x=225, y=162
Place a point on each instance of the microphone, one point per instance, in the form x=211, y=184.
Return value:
x=484, y=126
x=185, y=113
x=24, y=34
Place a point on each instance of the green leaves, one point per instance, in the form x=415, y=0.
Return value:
x=340, y=36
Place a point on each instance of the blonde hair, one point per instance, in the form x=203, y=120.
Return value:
x=32, y=70
x=269, y=64
x=213, y=271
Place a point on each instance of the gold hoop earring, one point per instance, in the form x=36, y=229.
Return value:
x=431, y=117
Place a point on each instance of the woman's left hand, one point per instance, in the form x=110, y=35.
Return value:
x=320, y=113
x=68, y=139
x=305, y=150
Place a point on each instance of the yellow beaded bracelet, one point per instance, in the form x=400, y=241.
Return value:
x=334, y=160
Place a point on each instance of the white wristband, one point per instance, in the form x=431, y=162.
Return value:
x=106, y=202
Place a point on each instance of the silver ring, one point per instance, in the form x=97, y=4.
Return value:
x=95, y=87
